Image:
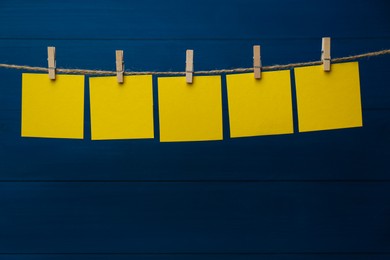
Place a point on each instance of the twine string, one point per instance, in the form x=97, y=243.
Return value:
x=205, y=72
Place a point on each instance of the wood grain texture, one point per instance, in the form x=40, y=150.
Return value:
x=257, y=61
x=319, y=195
x=119, y=65
x=189, y=65
x=325, y=56
x=51, y=60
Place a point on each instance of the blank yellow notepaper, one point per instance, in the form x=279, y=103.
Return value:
x=260, y=106
x=52, y=108
x=121, y=111
x=328, y=100
x=190, y=112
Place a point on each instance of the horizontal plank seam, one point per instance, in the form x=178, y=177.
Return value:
x=212, y=181
x=384, y=37
x=199, y=253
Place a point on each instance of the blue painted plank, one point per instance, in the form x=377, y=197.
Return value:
x=280, y=217
x=201, y=19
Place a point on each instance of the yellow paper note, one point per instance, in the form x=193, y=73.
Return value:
x=328, y=100
x=121, y=111
x=260, y=106
x=52, y=108
x=190, y=112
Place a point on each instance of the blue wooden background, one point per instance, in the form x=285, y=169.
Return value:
x=319, y=195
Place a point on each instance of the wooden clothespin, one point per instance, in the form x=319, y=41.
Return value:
x=257, y=61
x=189, y=66
x=51, y=60
x=325, y=53
x=120, y=65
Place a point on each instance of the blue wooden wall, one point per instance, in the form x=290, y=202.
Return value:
x=319, y=195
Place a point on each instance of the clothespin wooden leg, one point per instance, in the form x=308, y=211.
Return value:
x=51, y=60
x=325, y=56
x=120, y=65
x=257, y=61
x=189, y=66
